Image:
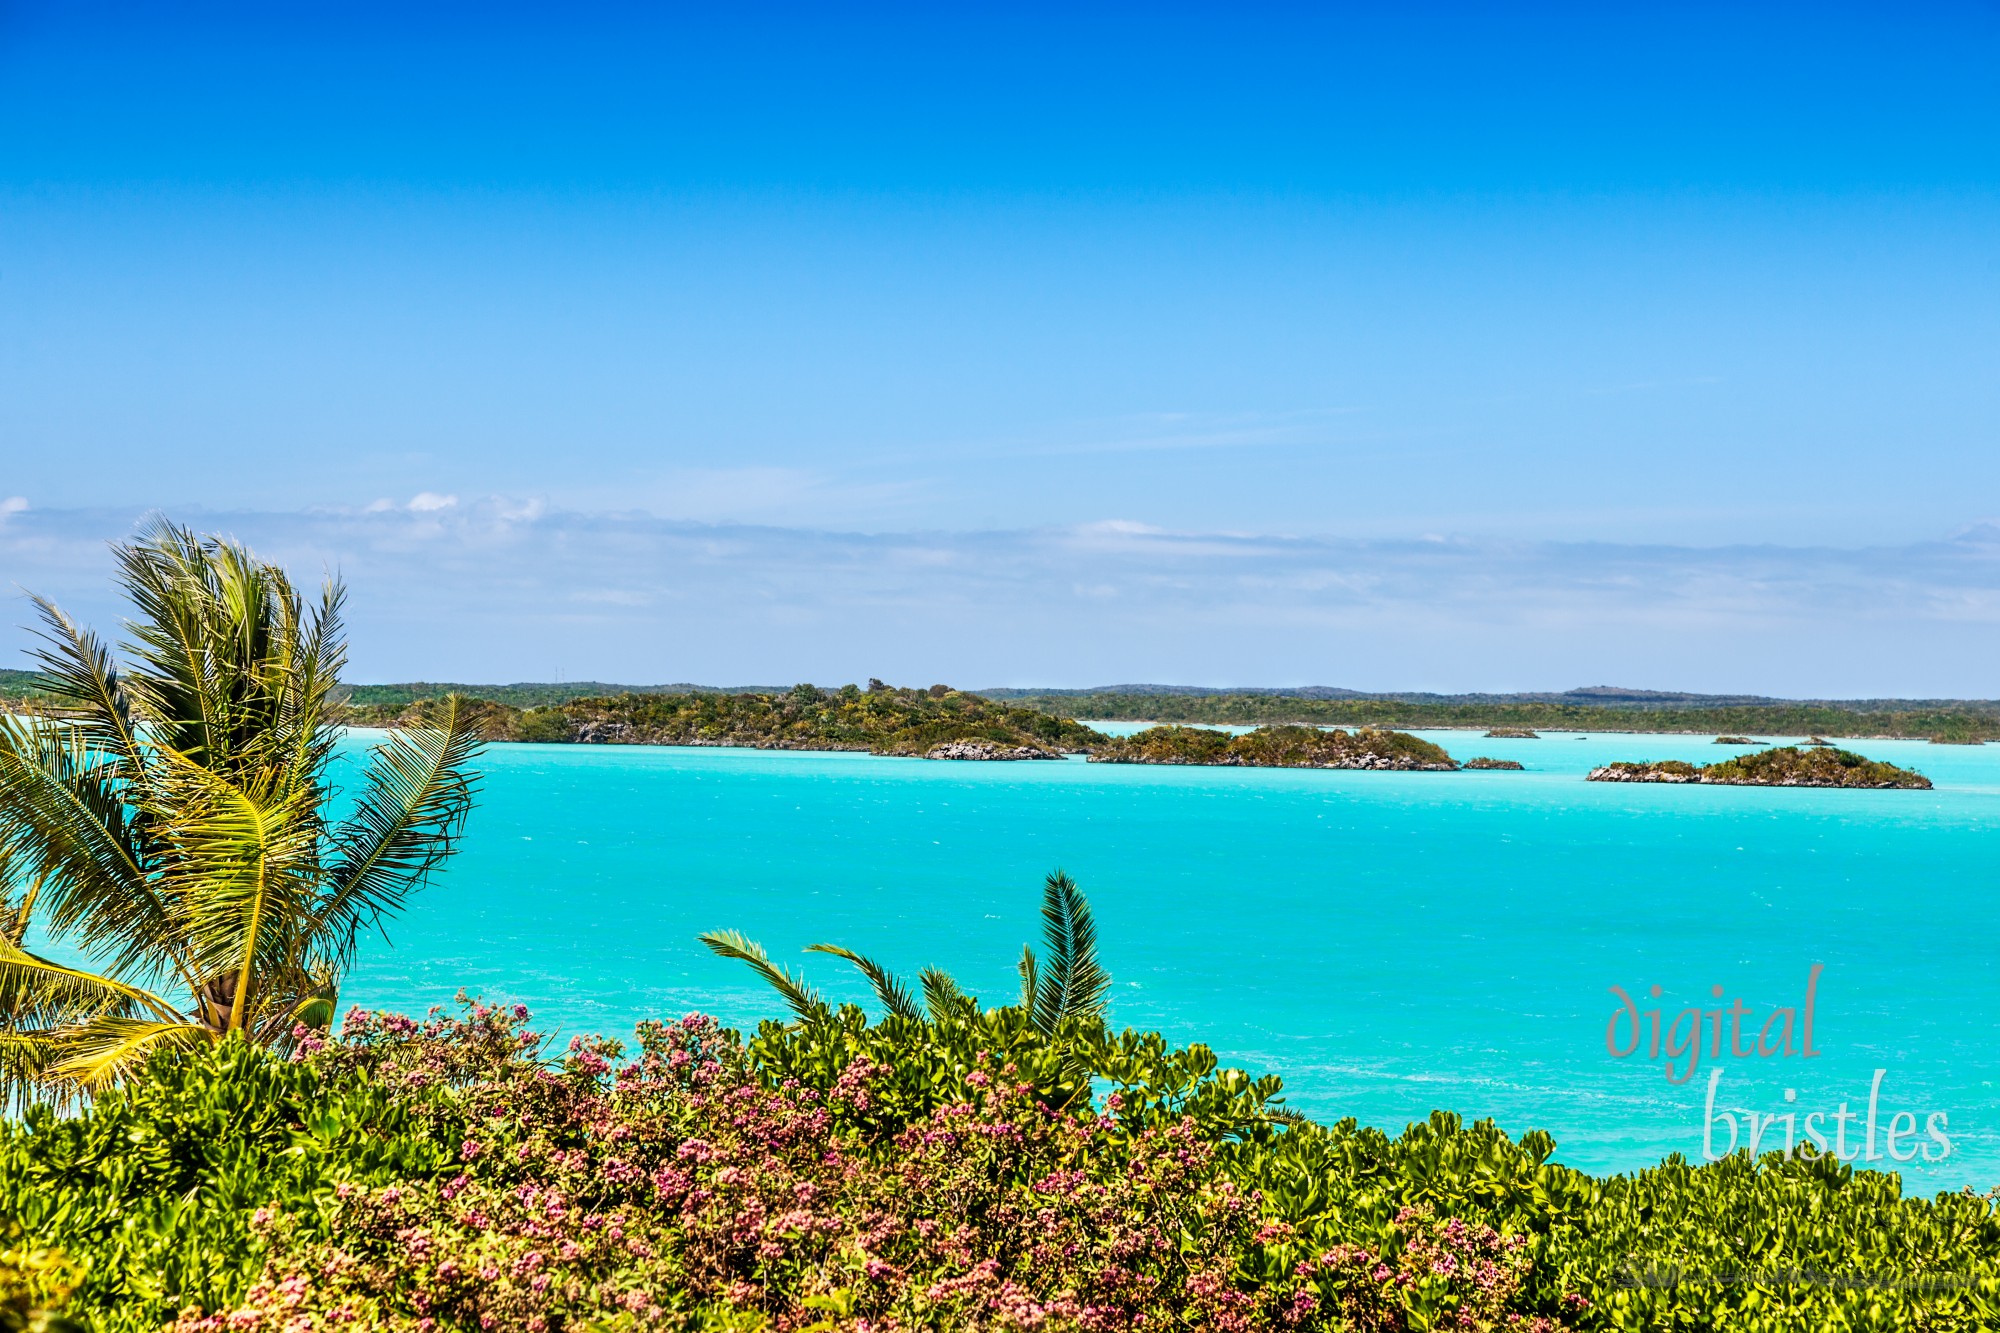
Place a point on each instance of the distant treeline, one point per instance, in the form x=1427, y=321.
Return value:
x=1596, y=709
x=528, y=694
x=19, y=686
x=1594, y=696
x=1961, y=722
x=880, y=719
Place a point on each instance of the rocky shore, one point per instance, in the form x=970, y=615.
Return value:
x=987, y=750
x=1665, y=770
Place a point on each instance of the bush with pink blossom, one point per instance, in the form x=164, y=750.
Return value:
x=704, y=1185
x=838, y=1175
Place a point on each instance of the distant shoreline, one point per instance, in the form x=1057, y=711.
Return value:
x=1956, y=723
x=1598, y=710
x=1773, y=734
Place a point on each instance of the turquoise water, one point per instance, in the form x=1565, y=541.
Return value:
x=1389, y=942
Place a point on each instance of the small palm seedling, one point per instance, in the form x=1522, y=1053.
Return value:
x=1068, y=983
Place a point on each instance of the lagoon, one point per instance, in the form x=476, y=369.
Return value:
x=1389, y=942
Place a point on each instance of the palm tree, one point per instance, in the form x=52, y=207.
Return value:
x=1070, y=984
x=167, y=825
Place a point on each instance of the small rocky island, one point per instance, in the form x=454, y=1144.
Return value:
x=1786, y=766
x=1277, y=747
x=1481, y=761
x=1734, y=740
x=1513, y=734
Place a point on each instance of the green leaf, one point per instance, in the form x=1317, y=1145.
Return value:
x=1071, y=984
x=890, y=992
x=803, y=1001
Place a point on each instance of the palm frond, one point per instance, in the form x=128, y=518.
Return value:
x=289, y=997
x=18, y=893
x=220, y=645
x=943, y=997
x=77, y=669
x=39, y=992
x=891, y=993
x=1026, y=967
x=803, y=1001
x=413, y=803
x=181, y=639
x=312, y=674
x=1072, y=984
x=313, y=1011
x=244, y=873
x=70, y=827
x=107, y=1050
x=16, y=914
x=25, y=1057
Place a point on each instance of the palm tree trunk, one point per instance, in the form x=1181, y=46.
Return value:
x=213, y=1003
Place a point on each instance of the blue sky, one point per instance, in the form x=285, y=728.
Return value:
x=1166, y=343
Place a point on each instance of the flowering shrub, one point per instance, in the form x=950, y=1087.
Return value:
x=450, y=1174
x=842, y=1176
x=682, y=1189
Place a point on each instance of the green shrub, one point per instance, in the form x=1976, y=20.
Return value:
x=1785, y=766
x=157, y=1185
x=805, y=717
x=968, y=1172
x=1766, y=1246
x=35, y=1284
x=1276, y=747
x=1789, y=765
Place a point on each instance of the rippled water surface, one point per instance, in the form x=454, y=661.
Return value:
x=1389, y=942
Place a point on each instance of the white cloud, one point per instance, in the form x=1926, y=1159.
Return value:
x=430, y=502
x=763, y=494
x=497, y=588
x=12, y=505
x=1118, y=527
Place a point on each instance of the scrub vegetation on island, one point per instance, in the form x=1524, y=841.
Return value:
x=944, y=723
x=876, y=720
x=1783, y=766
x=1277, y=747
x=937, y=723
